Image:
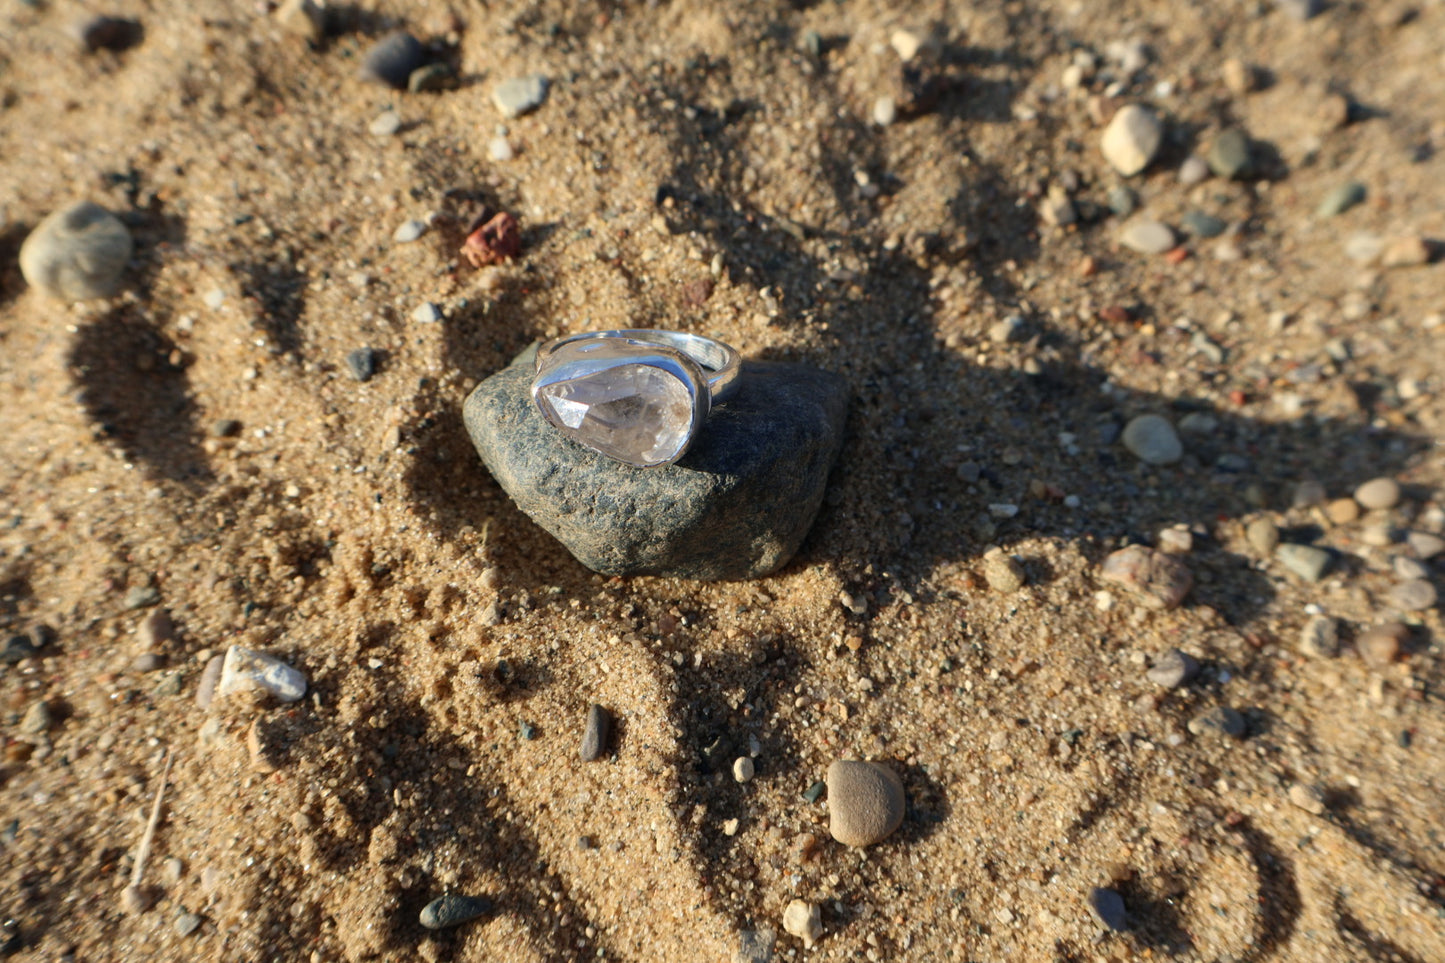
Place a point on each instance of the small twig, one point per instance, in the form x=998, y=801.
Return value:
x=134, y=898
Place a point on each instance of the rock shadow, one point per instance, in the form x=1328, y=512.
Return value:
x=278, y=292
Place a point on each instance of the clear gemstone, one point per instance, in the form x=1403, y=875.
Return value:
x=634, y=413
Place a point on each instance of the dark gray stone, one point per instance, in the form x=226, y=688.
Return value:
x=1229, y=155
x=453, y=910
x=391, y=59
x=1220, y=719
x=1108, y=906
x=736, y=506
x=361, y=363
x=109, y=33
x=1203, y=225
x=16, y=647
x=594, y=737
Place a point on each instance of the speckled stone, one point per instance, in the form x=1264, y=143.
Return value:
x=1306, y=561
x=1173, y=669
x=1160, y=580
x=865, y=802
x=1220, y=720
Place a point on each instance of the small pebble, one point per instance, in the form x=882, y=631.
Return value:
x=885, y=111
x=1122, y=200
x=1221, y=720
x=1320, y=638
x=245, y=669
x=1002, y=571
x=814, y=792
x=1162, y=581
x=426, y=313
x=1378, y=493
x=1308, y=494
x=1173, y=669
x=1425, y=545
x=519, y=95
x=1108, y=907
x=865, y=802
x=1300, y=9
x=141, y=596
x=155, y=630
x=210, y=678
x=1342, y=511
x=109, y=33
x=429, y=78
x=1416, y=595
x=1408, y=569
x=1306, y=561
x=1132, y=139
x=595, y=733
x=385, y=124
x=16, y=647
x=1239, y=77
x=803, y=920
x=1307, y=797
x=77, y=253
x=187, y=923
x=1153, y=440
x=1146, y=235
x=500, y=149
x=1200, y=224
x=37, y=719
x=391, y=59
x=1263, y=535
x=409, y=231
x=451, y=910
x=907, y=43
x=1340, y=199
x=1380, y=646
x=146, y=662
x=1405, y=252
x=743, y=769
x=1194, y=170
x=361, y=364
x=1229, y=154
x=1176, y=540
x=304, y=18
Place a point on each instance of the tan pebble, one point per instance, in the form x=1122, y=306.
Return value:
x=1380, y=646
x=1307, y=797
x=1378, y=493
x=1263, y=535
x=1405, y=252
x=1320, y=638
x=803, y=920
x=1002, y=571
x=1342, y=511
x=256, y=747
x=77, y=253
x=155, y=630
x=1238, y=77
x=865, y=802
x=1161, y=581
x=305, y=18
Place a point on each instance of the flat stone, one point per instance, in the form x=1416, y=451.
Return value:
x=1340, y=199
x=1300, y=9
x=426, y=313
x=1122, y=200
x=596, y=732
x=16, y=647
x=77, y=253
x=1194, y=170
x=1416, y=595
x=1320, y=638
x=391, y=60
x=1108, y=907
x=1200, y=224
x=409, y=231
x=361, y=364
x=1425, y=545
x=1173, y=669
x=1132, y=139
x=245, y=669
x=519, y=95
x=141, y=596
x=451, y=910
x=1153, y=440
x=1405, y=252
x=385, y=124
x=1229, y=155
x=210, y=678
x=1263, y=535
x=1220, y=720
x=1160, y=580
x=37, y=719
x=736, y=506
x=1307, y=797
x=865, y=802
x=1378, y=494
x=1306, y=561
x=755, y=946
x=803, y=920
x=1146, y=235
x=187, y=923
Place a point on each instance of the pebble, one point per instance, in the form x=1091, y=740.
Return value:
x=885, y=111
x=210, y=678
x=814, y=792
x=429, y=78
x=248, y=669
x=1002, y=571
x=1416, y=595
x=755, y=946
x=1380, y=646
x=146, y=662
x=1307, y=797
x=187, y=923
x=1194, y=170
x=500, y=149
x=907, y=43
x=304, y=18
x=1306, y=561
x=1146, y=235
x=1342, y=511
x=1161, y=580
x=155, y=630
x=37, y=719
x=409, y=231
x=518, y=95
x=803, y=920
x=426, y=313
x=743, y=769
x=1263, y=535
x=865, y=802
x=1425, y=545
x=1378, y=493
x=1409, y=568
x=1132, y=139
x=1153, y=440
x=1173, y=669
x=595, y=733
x=1308, y=494
x=1122, y=200
x=1340, y=199
x=1405, y=252
x=361, y=364
x=385, y=124
x=16, y=647
x=451, y=910
x=1108, y=907
x=1320, y=638
x=1229, y=154
x=1203, y=225
x=1300, y=9
x=109, y=33
x=391, y=59
x=141, y=596
x=1238, y=76
x=1221, y=720
x=77, y=253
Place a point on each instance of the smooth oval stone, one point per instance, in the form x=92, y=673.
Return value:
x=518, y=95
x=1153, y=440
x=865, y=802
x=1378, y=493
x=392, y=59
x=1229, y=154
x=594, y=736
x=77, y=253
x=1203, y=225
x=1132, y=139
x=109, y=33
x=1263, y=535
x=1146, y=235
x=453, y=910
x=1173, y=669
x=1416, y=595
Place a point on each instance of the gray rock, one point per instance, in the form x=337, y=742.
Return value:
x=246, y=669
x=37, y=719
x=1146, y=235
x=409, y=231
x=77, y=253
x=155, y=630
x=1306, y=561
x=109, y=33
x=1200, y=224
x=1194, y=170
x=736, y=506
x=1220, y=720
x=865, y=802
x=1378, y=493
x=1173, y=669
x=141, y=596
x=451, y=910
x=1416, y=595
x=187, y=923
x=1108, y=907
x=1340, y=199
x=1408, y=569
x=518, y=95
x=1153, y=440
x=210, y=678
x=431, y=77
x=1425, y=545
x=16, y=647
x=1229, y=155
x=1307, y=797
x=1122, y=201
x=1308, y=494
x=391, y=59
x=755, y=946
x=594, y=736
x=385, y=124
x=361, y=363
x=1300, y=9
x=1320, y=638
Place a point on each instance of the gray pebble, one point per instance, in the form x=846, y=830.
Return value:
x=596, y=732
x=1200, y=224
x=755, y=946
x=1122, y=201
x=426, y=313
x=1108, y=907
x=16, y=647
x=1173, y=669
x=1229, y=154
x=187, y=923
x=1194, y=170
x=391, y=59
x=361, y=363
x=744, y=769
x=1408, y=568
x=385, y=124
x=1161, y=580
x=1378, y=493
x=1153, y=440
x=1416, y=595
x=1132, y=139
x=1306, y=561
x=37, y=719
x=141, y=596
x=1221, y=720
x=1308, y=494
x=865, y=802
x=814, y=792
x=1340, y=199
x=1320, y=638
x=518, y=95
x=1300, y=9
x=453, y=910
x=1146, y=235
x=146, y=662
x=1263, y=535
x=155, y=630
x=77, y=253
x=409, y=231
x=1425, y=545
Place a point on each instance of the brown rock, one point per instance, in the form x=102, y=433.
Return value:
x=1380, y=646
x=1161, y=581
x=865, y=802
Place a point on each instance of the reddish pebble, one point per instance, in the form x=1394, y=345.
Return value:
x=1177, y=256
x=497, y=240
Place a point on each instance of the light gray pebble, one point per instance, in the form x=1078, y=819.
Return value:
x=426, y=313
x=1416, y=595
x=210, y=678
x=361, y=364
x=77, y=253
x=596, y=733
x=246, y=669
x=500, y=149
x=1153, y=440
x=1307, y=797
x=518, y=95
x=1425, y=545
x=1146, y=235
x=1263, y=535
x=141, y=596
x=1193, y=171
x=1205, y=225
x=1378, y=493
x=1340, y=199
x=391, y=59
x=744, y=769
x=1199, y=423
x=1308, y=494
x=1131, y=139
x=1173, y=669
x=1300, y=9
x=756, y=946
x=409, y=231
x=1229, y=154
x=1009, y=329
x=385, y=124
x=1320, y=638
x=1408, y=568
x=1122, y=200
x=1220, y=720
x=1108, y=907
x=865, y=802
x=453, y=910
x=1306, y=561
x=1161, y=580
x=37, y=719
x=187, y=923
x=885, y=111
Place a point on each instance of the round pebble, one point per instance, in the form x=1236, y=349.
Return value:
x=77, y=253
x=1153, y=440
x=803, y=920
x=1108, y=907
x=1173, y=669
x=361, y=364
x=1229, y=154
x=595, y=733
x=1378, y=493
x=1380, y=645
x=1263, y=535
x=1408, y=568
x=1342, y=511
x=1122, y=200
x=391, y=59
x=451, y=910
x=1307, y=797
x=1146, y=235
x=386, y=124
x=1320, y=638
x=1220, y=720
x=37, y=719
x=520, y=95
x=1416, y=595
x=885, y=111
x=1194, y=170
x=1132, y=139
x=743, y=769
x=1306, y=561
x=1002, y=571
x=865, y=802
x=500, y=149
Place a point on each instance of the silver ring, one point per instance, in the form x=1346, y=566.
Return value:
x=639, y=396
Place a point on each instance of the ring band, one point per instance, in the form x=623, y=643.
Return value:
x=639, y=396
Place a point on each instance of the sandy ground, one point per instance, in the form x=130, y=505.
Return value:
x=349, y=528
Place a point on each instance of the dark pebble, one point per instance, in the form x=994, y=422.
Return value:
x=109, y=33
x=392, y=59
x=1403, y=739
x=11, y=942
x=362, y=363
x=1229, y=155
x=16, y=647
x=594, y=737
x=815, y=792
x=429, y=78
x=1220, y=719
x=225, y=428
x=1203, y=225
x=527, y=731
x=1108, y=906
x=451, y=910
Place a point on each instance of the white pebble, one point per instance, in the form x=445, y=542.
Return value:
x=500, y=149
x=743, y=769
x=1132, y=139
x=248, y=669
x=426, y=313
x=409, y=231
x=885, y=111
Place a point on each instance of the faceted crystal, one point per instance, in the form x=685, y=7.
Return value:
x=635, y=413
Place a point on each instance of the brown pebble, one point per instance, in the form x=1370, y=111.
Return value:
x=1378, y=493
x=155, y=630
x=1161, y=581
x=594, y=737
x=210, y=678
x=865, y=802
x=1405, y=252
x=1342, y=511
x=1380, y=646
